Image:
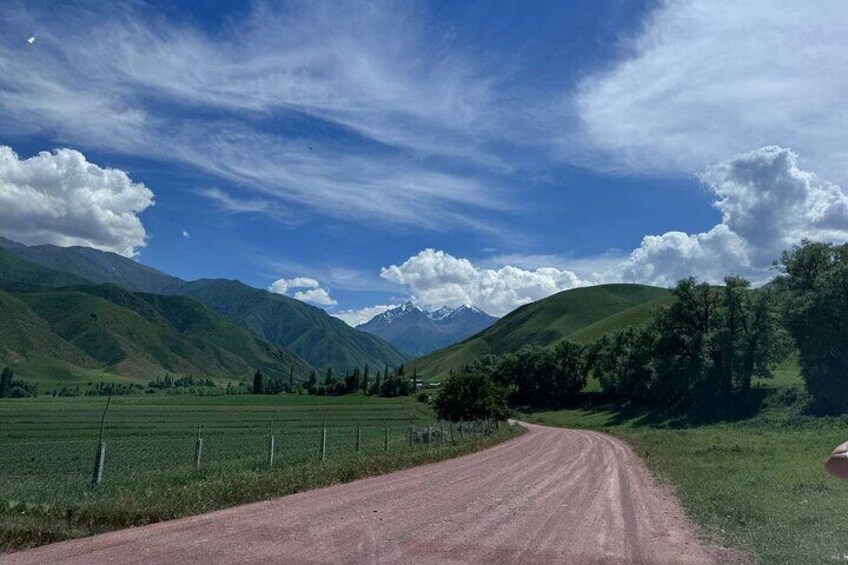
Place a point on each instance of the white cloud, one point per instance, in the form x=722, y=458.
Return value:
x=364, y=68
x=767, y=205
x=318, y=296
x=436, y=278
x=704, y=80
x=63, y=199
x=234, y=205
x=186, y=234
x=310, y=290
x=355, y=317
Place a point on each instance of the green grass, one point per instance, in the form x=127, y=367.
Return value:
x=581, y=314
x=47, y=448
x=755, y=483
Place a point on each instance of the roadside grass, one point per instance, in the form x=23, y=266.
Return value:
x=753, y=482
x=47, y=447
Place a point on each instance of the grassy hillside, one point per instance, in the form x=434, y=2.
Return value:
x=581, y=314
x=24, y=335
x=17, y=274
x=322, y=340
x=108, y=329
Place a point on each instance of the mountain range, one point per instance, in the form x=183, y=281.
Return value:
x=415, y=331
x=34, y=278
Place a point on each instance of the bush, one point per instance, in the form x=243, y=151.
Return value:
x=472, y=394
x=18, y=392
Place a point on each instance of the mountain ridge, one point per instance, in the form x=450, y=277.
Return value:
x=416, y=331
x=320, y=339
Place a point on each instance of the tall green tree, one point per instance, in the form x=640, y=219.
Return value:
x=815, y=284
x=6, y=379
x=312, y=382
x=258, y=383
x=366, y=378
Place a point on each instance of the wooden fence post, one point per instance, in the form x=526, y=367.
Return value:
x=100, y=458
x=198, y=452
x=358, y=438
x=386, y=438
x=99, y=461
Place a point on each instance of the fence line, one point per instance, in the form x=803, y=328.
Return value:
x=70, y=462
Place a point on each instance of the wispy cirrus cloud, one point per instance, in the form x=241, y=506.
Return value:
x=705, y=80
x=409, y=117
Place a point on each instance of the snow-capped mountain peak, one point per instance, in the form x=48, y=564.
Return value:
x=441, y=313
x=417, y=331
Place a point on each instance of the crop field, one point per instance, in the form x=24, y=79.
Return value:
x=754, y=483
x=151, y=472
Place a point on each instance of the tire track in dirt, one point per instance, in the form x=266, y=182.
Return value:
x=549, y=496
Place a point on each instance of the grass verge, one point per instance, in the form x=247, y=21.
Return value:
x=153, y=498
x=755, y=483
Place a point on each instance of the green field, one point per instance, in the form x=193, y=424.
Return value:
x=755, y=483
x=48, y=447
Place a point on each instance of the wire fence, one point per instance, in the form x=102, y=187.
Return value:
x=32, y=470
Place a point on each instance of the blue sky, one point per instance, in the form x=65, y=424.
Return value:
x=355, y=155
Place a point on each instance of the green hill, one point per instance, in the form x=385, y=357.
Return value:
x=320, y=339
x=132, y=335
x=581, y=314
x=17, y=274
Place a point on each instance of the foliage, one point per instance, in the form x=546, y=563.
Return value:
x=816, y=287
x=10, y=388
x=579, y=315
x=6, y=382
x=472, y=394
x=708, y=344
x=258, y=383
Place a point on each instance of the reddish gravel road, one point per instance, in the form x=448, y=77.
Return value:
x=549, y=496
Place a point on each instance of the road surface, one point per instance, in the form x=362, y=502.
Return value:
x=549, y=496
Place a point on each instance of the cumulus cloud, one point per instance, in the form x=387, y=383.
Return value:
x=435, y=278
x=767, y=203
x=305, y=289
x=355, y=317
x=62, y=199
x=703, y=80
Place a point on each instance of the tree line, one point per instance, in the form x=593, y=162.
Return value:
x=385, y=383
x=706, y=347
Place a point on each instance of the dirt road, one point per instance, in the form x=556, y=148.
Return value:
x=549, y=496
